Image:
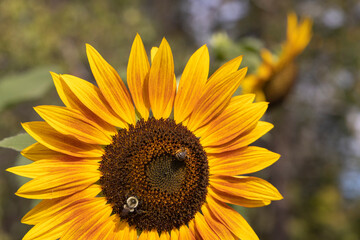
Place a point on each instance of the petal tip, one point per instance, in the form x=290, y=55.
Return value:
x=11, y=169
x=54, y=74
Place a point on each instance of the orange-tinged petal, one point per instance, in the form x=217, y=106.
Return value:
x=185, y=234
x=215, y=224
x=37, y=151
x=42, y=167
x=234, y=199
x=246, y=187
x=103, y=229
x=191, y=84
x=60, y=183
x=164, y=236
x=121, y=231
x=49, y=229
x=55, y=226
x=84, y=225
x=231, y=219
x=137, y=76
x=47, y=136
x=71, y=100
x=169, y=105
x=236, y=105
x=72, y=122
x=161, y=81
x=194, y=232
x=49, y=208
x=174, y=234
x=203, y=228
x=233, y=122
x=214, y=99
x=242, y=161
x=229, y=67
x=111, y=85
x=87, y=94
x=243, y=139
x=132, y=233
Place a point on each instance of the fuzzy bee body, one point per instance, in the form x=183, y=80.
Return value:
x=182, y=154
x=130, y=206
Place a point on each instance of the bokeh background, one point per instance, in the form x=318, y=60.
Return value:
x=317, y=122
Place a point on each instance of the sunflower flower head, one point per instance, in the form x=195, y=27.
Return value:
x=276, y=74
x=103, y=174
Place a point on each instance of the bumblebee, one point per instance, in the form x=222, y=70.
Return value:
x=182, y=153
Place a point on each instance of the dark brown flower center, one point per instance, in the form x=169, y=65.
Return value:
x=155, y=174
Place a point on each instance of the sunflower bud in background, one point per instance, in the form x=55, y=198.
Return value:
x=276, y=74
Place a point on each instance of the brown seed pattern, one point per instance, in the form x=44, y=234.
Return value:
x=143, y=162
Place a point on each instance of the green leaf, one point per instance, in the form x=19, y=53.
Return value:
x=25, y=86
x=18, y=142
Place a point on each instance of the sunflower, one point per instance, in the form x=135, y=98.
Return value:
x=275, y=75
x=151, y=161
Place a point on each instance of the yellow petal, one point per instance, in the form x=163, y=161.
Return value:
x=234, y=199
x=60, y=183
x=229, y=67
x=169, y=105
x=153, y=53
x=231, y=219
x=56, y=141
x=143, y=235
x=90, y=97
x=194, y=232
x=161, y=81
x=132, y=233
x=102, y=230
x=232, y=122
x=246, y=187
x=42, y=167
x=121, y=231
x=55, y=226
x=84, y=225
x=149, y=235
x=65, y=93
x=215, y=224
x=236, y=104
x=73, y=123
x=47, y=230
x=49, y=208
x=77, y=101
x=191, y=84
x=243, y=139
x=185, y=234
x=203, y=228
x=153, y=235
x=137, y=77
x=37, y=151
x=291, y=25
x=111, y=85
x=242, y=161
x=174, y=234
x=215, y=98
x=164, y=236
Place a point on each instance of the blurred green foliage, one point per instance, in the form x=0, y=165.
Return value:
x=17, y=142
x=26, y=86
